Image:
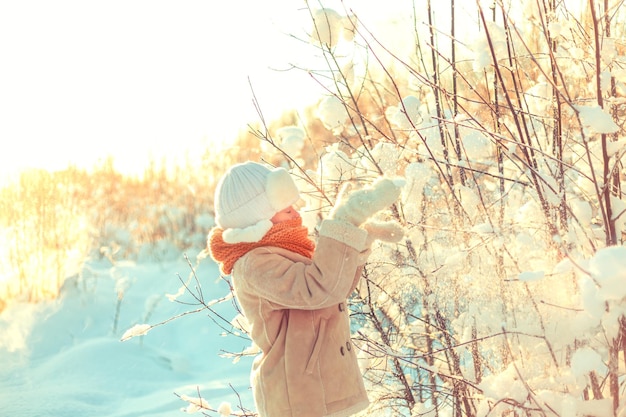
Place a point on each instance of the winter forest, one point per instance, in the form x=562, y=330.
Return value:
x=506, y=295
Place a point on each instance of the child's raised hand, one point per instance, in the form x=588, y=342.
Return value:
x=357, y=207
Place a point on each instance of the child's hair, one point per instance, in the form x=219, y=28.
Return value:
x=248, y=196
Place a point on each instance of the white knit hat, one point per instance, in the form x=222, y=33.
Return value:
x=248, y=196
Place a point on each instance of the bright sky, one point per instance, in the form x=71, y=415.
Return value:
x=81, y=79
x=135, y=79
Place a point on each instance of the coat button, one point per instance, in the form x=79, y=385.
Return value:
x=341, y=307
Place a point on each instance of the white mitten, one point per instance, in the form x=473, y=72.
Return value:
x=389, y=231
x=362, y=204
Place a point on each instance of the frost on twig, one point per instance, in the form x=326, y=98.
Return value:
x=225, y=409
x=195, y=404
x=136, y=330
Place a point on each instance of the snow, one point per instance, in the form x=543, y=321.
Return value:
x=609, y=270
x=531, y=276
x=406, y=114
x=292, y=140
x=385, y=156
x=335, y=166
x=477, y=146
x=224, y=409
x=195, y=404
x=65, y=358
x=329, y=27
x=136, y=330
x=596, y=119
x=333, y=114
x=582, y=210
x=586, y=360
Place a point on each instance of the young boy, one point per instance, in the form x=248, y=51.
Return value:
x=293, y=291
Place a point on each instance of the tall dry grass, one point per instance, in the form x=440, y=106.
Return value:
x=46, y=233
x=51, y=223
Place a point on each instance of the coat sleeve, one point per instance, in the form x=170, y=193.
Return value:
x=305, y=284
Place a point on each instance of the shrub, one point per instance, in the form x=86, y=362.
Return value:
x=499, y=300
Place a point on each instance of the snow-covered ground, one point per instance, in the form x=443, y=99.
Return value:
x=65, y=358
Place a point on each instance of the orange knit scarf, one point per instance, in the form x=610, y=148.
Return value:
x=290, y=235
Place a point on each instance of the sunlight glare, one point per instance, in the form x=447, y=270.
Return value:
x=147, y=80
x=134, y=80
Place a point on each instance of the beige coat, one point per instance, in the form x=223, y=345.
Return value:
x=297, y=310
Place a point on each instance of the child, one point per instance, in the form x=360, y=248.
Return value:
x=293, y=291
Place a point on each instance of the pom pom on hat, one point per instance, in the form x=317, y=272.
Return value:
x=248, y=196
